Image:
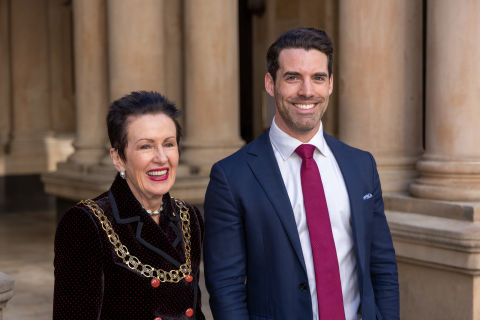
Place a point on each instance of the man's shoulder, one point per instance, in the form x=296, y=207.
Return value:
x=340, y=146
x=257, y=146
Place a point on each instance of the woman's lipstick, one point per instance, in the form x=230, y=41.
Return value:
x=158, y=174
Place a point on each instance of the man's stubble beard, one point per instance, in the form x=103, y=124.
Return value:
x=289, y=120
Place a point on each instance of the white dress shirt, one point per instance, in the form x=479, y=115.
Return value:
x=338, y=208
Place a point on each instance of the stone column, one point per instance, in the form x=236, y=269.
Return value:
x=212, y=82
x=436, y=232
x=62, y=108
x=61, y=103
x=380, y=84
x=5, y=98
x=30, y=86
x=136, y=49
x=173, y=56
x=136, y=52
x=450, y=167
x=91, y=83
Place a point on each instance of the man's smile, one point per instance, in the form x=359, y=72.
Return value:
x=304, y=106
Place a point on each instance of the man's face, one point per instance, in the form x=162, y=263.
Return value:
x=301, y=91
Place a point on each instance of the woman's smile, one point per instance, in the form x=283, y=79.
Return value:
x=158, y=174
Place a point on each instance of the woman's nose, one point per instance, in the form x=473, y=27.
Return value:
x=160, y=155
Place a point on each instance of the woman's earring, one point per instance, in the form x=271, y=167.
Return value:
x=122, y=174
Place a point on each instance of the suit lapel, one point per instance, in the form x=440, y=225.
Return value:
x=344, y=158
x=265, y=168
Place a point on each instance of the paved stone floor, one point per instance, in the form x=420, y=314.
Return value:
x=26, y=254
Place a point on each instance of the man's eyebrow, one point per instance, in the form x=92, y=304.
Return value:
x=320, y=74
x=291, y=73
x=294, y=73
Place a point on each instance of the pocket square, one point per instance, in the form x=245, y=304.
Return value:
x=367, y=196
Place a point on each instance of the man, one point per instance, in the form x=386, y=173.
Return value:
x=295, y=226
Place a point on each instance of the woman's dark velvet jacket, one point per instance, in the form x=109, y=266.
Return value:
x=92, y=282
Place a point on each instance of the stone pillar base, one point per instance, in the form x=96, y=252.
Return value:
x=447, y=179
x=39, y=154
x=437, y=244
x=59, y=148
x=6, y=291
x=3, y=161
x=88, y=156
x=27, y=156
x=76, y=182
x=396, y=178
x=396, y=172
x=200, y=157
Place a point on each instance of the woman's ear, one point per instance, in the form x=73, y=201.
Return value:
x=117, y=160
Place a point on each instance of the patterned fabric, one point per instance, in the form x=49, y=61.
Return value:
x=92, y=282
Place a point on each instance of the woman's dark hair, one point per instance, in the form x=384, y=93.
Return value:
x=135, y=104
x=299, y=38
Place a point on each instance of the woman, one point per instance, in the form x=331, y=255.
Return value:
x=132, y=252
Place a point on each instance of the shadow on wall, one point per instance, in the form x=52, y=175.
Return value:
x=20, y=167
x=23, y=192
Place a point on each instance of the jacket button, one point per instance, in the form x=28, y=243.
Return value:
x=155, y=282
x=189, y=312
x=303, y=286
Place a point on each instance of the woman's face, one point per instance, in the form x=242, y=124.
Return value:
x=151, y=157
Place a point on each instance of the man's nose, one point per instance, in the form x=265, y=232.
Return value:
x=306, y=89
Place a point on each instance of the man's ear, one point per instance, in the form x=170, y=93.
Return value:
x=269, y=84
x=117, y=160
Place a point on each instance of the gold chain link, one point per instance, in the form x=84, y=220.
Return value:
x=133, y=262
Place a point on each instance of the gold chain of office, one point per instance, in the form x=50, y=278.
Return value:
x=173, y=276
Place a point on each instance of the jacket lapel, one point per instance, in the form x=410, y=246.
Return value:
x=264, y=166
x=344, y=158
x=126, y=212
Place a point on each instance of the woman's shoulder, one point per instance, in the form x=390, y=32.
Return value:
x=81, y=214
x=78, y=242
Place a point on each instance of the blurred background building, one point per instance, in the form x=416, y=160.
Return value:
x=406, y=88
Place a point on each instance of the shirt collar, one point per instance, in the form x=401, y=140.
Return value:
x=286, y=144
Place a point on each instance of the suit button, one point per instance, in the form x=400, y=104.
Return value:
x=303, y=286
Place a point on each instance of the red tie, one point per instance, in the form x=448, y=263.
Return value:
x=327, y=276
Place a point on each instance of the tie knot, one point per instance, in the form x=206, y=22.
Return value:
x=305, y=151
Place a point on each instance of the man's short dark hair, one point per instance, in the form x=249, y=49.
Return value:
x=135, y=104
x=300, y=38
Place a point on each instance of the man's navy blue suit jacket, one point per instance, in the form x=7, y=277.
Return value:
x=254, y=265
